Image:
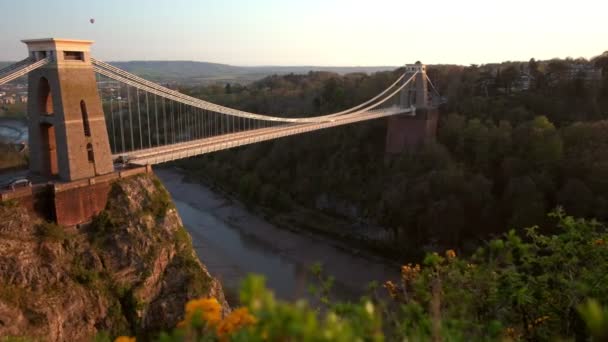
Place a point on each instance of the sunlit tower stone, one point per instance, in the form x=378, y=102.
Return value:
x=67, y=131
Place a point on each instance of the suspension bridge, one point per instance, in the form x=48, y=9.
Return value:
x=146, y=123
x=87, y=119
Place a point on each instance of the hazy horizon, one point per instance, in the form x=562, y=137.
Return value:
x=320, y=33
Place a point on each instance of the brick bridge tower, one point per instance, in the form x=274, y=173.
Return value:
x=407, y=131
x=68, y=139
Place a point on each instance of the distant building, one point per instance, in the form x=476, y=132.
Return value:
x=585, y=71
x=9, y=100
x=523, y=82
x=23, y=98
x=574, y=71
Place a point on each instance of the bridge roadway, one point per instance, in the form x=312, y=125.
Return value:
x=161, y=154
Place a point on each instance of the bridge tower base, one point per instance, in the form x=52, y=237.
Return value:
x=406, y=131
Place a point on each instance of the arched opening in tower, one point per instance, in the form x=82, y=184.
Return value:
x=45, y=98
x=85, y=118
x=49, y=150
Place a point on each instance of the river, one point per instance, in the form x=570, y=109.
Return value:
x=13, y=131
x=233, y=242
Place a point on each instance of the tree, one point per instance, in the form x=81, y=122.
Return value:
x=509, y=75
x=523, y=203
x=450, y=134
x=575, y=197
x=533, y=67
x=539, y=143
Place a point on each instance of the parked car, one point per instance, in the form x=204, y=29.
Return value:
x=19, y=183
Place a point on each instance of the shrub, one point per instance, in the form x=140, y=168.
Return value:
x=182, y=238
x=160, y=201
x=50, y=231
x=82, y=274
x=11, y=203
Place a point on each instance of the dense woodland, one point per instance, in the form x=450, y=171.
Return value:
x=503, y=157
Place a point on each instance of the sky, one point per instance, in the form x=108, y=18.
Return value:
x=313, y=32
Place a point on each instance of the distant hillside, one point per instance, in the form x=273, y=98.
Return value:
x=204, y=72
x=191, y=73
x=173, y=70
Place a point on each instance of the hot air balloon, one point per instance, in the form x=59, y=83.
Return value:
x=92, y=21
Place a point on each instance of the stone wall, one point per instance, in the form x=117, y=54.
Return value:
x=69, y=203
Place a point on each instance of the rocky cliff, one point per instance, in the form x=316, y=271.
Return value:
x=130, y=271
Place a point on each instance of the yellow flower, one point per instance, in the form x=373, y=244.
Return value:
x=209, y=309
x=124, y=339
x=236, y=320
x=369, y=307
x=450, y=254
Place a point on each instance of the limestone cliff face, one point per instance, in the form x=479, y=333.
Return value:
x=128, y=272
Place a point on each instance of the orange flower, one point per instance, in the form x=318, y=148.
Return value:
x=599, y=242
x=208, y=308
x=409, y=272
x=236, y=320
x=511, y=333
x=450, y=254
x=124, y=339
x=391, y=288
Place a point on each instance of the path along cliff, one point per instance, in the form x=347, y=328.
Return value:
x=130, y=271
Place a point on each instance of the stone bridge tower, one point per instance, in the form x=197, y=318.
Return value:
x=408, y=131
x=67, y=130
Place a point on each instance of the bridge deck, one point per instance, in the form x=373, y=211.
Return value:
x=161, y=154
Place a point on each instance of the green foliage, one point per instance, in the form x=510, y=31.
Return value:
x=102, y=337
x=324, y=284
x=14, y=295
x=160, y=201
x=188, y=263
x=596, y=318
x=15, y=339
x=103, y=226
x=182, y=239
x=82, y=274
x=50, y=231
x=529, y=287
x=129, y=304
x=119, y=318
x=12, y=203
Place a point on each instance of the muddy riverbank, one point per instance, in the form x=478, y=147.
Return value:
x=234, y=242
